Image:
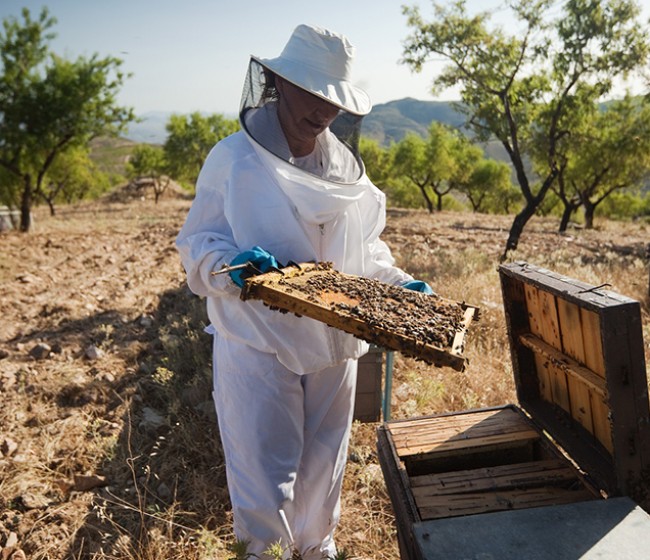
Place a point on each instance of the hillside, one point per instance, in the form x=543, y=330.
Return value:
x=111, y=154
x=386, y=123
x=109, y=446
x=389, y=122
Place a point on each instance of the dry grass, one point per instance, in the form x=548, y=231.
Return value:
x=161, y=484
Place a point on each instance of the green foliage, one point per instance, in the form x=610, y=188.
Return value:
x=376, y=159
x=522, y=88
x=146, y=161
x=400, y=193
x=444, y=162
x=240, y=550
x=431, y=163
x=488, y=188
x=608, y=151
x=625, y=206
x=190, y=139
x=49, y=105
x=72, y=176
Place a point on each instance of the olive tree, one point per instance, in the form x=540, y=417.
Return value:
x=49, y=104
x=189, y=140
x=72, y=176
x=507, y=78
x=427, y=162
x=609, y=151
x=148, y=163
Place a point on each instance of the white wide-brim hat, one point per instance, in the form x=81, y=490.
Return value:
x=320, y=61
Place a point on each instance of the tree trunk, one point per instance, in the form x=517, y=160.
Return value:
x=517, y=228
x=589, y=215
x=427, y=199
x=26, y=206
x=566, y=216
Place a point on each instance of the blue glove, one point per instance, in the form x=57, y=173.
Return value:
x=419, y=286
x=258, y=257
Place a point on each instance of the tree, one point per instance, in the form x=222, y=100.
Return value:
x=609, y=151
x=376, y=159
x=190, y=139
x=507, y=81
x=489, y=187
x=466, y=156
x=410, y=159
x=49, y=104
x=428, y=163
x=148, y=163
x=72, y=176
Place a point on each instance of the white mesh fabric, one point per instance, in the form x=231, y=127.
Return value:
x=258, y=118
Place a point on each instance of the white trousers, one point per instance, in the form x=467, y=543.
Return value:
x=285, y=439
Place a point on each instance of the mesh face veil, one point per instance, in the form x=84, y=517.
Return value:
x=339, y=144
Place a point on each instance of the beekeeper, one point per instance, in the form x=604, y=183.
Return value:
x=289, y=186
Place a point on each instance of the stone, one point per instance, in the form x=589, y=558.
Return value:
x=8, y=447
x=151, y=419
x=83, y=483
x=93, y=353
x=40, y=351
x=164, y=492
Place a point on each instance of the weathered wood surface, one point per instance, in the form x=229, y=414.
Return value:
x=579, y=369
x=436, y=507
x=451, y=434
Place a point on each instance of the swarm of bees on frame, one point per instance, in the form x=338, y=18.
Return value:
x=427, y=319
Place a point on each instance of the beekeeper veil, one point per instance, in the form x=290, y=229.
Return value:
x=319, y=62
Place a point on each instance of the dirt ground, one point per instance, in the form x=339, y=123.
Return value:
x=87, y=337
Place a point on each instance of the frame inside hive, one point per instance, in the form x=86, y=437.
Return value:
x=429, y=328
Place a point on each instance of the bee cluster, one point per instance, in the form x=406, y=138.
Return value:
x=428, y=319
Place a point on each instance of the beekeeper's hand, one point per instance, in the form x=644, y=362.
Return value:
x=419, y=286
x=258, y=257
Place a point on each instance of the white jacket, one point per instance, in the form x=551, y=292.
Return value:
x=246, y=196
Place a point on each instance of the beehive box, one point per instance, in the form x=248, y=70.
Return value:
x=491, y=483
x=368, y=395
x=429, y=328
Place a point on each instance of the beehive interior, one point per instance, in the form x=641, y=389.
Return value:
x=570, y=367
x=483, y=461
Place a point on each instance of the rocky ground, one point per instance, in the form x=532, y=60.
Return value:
x=97, y=329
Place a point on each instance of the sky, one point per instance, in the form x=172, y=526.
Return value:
x=192, y=55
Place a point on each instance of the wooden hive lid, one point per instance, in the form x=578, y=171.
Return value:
x=579, y=369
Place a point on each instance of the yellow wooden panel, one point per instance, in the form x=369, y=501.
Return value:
x=436, y=507
x=593, y=345
x=559, y=387
x=571, y=330
x=550, y=323
x=580, y=401
x=534, y=312
x=544, y=377
x=602, y=424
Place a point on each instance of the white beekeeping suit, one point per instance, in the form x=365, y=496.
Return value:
x=284, y=385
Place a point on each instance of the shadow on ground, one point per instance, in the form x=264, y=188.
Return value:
x=165, y=476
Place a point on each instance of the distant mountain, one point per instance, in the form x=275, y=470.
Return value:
x=389, y=122
x=386, y=123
